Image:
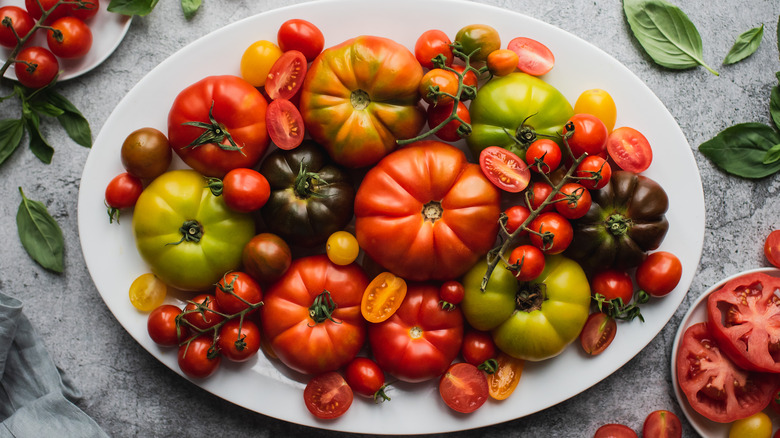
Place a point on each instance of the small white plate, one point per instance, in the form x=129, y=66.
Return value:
x=108, y=30
x=698, y=313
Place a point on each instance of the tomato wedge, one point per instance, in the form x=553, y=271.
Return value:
x=772, y=248
x=629, y=149
x=286, y=75
x=534, y=57
x=383, y=296
x=285, y=124
x=502, y=383
x=328, y=395
x=598, y=333
x=504, y=169
x=464, y=387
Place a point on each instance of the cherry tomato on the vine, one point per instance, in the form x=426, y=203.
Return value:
x=36, y=8
x=597, y=333
x=573, y=201
x=202, y=311
x=530, y=261
x=21, y=22
x=84, y=10
x=245, y=190
x=590, y=134
x=162, y=328
x=551, y=232
x=464, y=387
x=501, y=62
x=469, y=78
x=237, y=291
x=239, y=340
x=534, y=57
x=538, y=192
x=478, y=346
x=515, y=216
x=122, y=192
x=69, y=38
x=36, y=67
x=198, y=358
x=444, y=81
x=599, y=103
x=594, y=172
x=286, y=75
x=451, y=293
x=366, y=378
x=612, y=283
x=328, y=395
x=478, y=40
x=430, y=44
x=342, y=248
x=504, y=169
x=543, y=155
x=437, y=114
x=257, y=61
x=285, y=124
x=629, y=149
x=301, y=35
x=772, y=248
x=147, y=292
x=659, y=273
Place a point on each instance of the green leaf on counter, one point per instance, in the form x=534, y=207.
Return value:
x=772, y=155
x=666, y=33
x=132, y=7
x=45, y=108
x=747, y=43
x=774, y=105
x=190, y=7
x=40, y=234
x=71, y=119
x=741, y=150
x=38, y=145
x=11, y=132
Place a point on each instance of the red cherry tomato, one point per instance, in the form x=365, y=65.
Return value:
x=613, y=284
x=328, y=395
x=595, y=170
x=123, y=191
x=629, y=149
x=772, y=248
x=286, y=75
x=614, y=430
x=245, y=190
x=469, y=78
x=161, y=325
x=199, y=359
x=659, y=273
x=551, y=232
x=538, y=192
x=85, y=10
x=36, y=67
x=237, y=291
x=543, y=155
x=504, y=169
x=366, y=378
x=452, y=292
x=590, y=134
x=478, y=346
x=239, y=340
x=21, y=22
x=437, y=114
x=530, y=260
x=573, y=201
x=597, y=333
x=430, y=44
x=301, y=35
x=515, y=216
x=35, y=10
x=443, y=80
x=464, y=387
x=201, y=311
x=285, y=124
x=73, y=40
x=662, y=424
x=534, y=57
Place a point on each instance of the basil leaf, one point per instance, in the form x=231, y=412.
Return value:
x=747, y=43
x=190, y=7
x=11, y=131
x=132, y=7
x=45, y=108
x=40, y=234
x=666, y=33
x=741, y=149
x=38, y=144
x=71, y=119
x=772, y=155
x=774, y=105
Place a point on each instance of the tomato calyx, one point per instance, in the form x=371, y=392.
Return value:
x=618, y=224
x=216, y=186
x=617, y=309
x=359, y=99
x=213, y=133
x=489, y=366
x=531, y=297
x=307, y=183
x=191, y=231
x=322, y=308
x=432, y=211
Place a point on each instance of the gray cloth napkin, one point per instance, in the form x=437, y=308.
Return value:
x=35, y=396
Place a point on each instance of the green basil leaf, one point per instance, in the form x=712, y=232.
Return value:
x=747, y=43
x=71, y=119
x=740, y=150
x=774, y=105
x=666, y=33
x=46, y=108
x=190, y=7
x=38, y=145
x=772, y=155
x=40, y=234
x=132, y=7
x=11, y=132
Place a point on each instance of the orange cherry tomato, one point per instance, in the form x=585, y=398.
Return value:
x=383, y=296
x=502, y=383
x=502, y=62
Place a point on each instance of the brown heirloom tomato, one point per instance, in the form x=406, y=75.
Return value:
x=218, y=124
x=424, y=212
x=311, y=316
x=360, y=96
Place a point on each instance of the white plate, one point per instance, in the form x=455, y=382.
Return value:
x=108, y=30
x=267, y=387
x=698, y=313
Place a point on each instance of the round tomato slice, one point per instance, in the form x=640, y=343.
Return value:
x=504, y=169
x=286, y=75
x=534, y=57
x=502, y=383
x=464, y=387
x=382, y=297
x=285, y=124
x=614, y=430
x=629, y=149
x=714, y=386
x=745, y=320
x=328, y=395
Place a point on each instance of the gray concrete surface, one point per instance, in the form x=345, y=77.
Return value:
x=129, y=393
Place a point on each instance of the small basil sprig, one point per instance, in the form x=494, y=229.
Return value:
x=666, y=33
x=747, y=43
x=144, y=7
x=40, y=234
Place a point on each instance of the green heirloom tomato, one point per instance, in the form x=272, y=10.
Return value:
x=531, y=321
x=188, y=236
x=508, y=110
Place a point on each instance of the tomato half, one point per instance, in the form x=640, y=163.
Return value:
x=286, y=75
x=502, y=382
x=772, y=248
x=382, y=297
x=662, y=424
x=504, y=169
x=285, y=124
x=614, y=430
x=598, y=333
x=301, y=35
x=464, y=387
x=328, y=395
x=630, y=149
x=714, y=386
x=534, y=57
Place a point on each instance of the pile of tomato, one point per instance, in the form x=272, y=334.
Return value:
x=383, y=251
x=68, y=36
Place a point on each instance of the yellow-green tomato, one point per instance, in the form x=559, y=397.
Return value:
x=188, y=236
x=342, y=248
x=257, y=61
x=599, y=103
x=147, y=292
x=534, y=320
x=758, y=425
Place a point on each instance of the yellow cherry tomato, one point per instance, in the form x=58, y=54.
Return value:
x=147, y=292
x=755, y=426
x=598, y=103
x=257, y=61
x=382, y=297
x=342, y=248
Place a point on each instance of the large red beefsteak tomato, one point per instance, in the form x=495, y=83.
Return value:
x=424, y=212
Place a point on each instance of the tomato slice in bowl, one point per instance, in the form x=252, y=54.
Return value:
x=504, y=169
x=286, y=75
x=629, y=149
x=534, y=57
x=285, y=124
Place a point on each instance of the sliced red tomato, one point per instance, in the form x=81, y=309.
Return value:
x=534, y=57
x=772, y=248
x=629, y=149
x=464, y=387
x=744, y=319
x=286, y=75
x=662, y=424
x=615, y=430
x=328, y=395
x=504, y=169
x=285, y=124
x=714, y=386
x=598, y=333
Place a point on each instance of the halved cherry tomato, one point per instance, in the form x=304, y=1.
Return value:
x=543, y=155
x=534, y=57
x=515, y=216
x=464, y=387
x=551, y=232
x=772, y=248
x=612, y=284
x=286, y=75
x=444, y=81
x=629, y=149
x=478, y=346
x=659, y=273
x=285, y=124
x=501, y=62
x=662, y=424
x=198, y=358
x=301, y=35
x=599, y=103
x=245, y=190
x=590, y=134
x=239, y=340
x=530, y=261
x=383, y=296
x=366, y=378
x=430, y=44
x=615, y=430
x=599, y=331
x=504, y=169
x=328, y=395
x=573, y=201
x=502, y=382
x=147, y=292
x=437, y=114
x=594, y=172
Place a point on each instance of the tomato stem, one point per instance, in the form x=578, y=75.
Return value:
x=213, y=133
x=323, y=307
x=191, y=231
x=307, y=183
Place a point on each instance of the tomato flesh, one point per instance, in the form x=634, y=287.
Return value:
x=629, y=149
x=464, y=387
x=382, y=297
x=286, y=75
x=502, y=383
x=504, y=169
x=662, y=424
x=534, y=57
x=328, y=395
x=598, y=333
x=772, y=248
x=285, y=124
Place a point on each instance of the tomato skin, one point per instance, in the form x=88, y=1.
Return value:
x=772, y=248
x=46, y=67
x=662, y=424
x=504, y=169
x=539, y=191
x=146, y=153
x=147, y=292
x=286, y=75
x=758, y=425
x=342, y=248
x=328, y=395
x=123, y=191
x=421, y=339
x=239, y=340
x=445, y=81
x=21, y=21
x=599, y=103
x=659, y=274
x=203, y=311
x=429, y=231
x=36, y=11
x=530, y=259
x=257, y=60
x=597, y=171
x=301, y=35
x=590, y=134
x=266, y=257
x=598, y=333
x=534, y=57
x=358, y=122
x=615, y=430
x=501, y=62
x=365, y=377
x=382, y=297
x=437, y=114
x=430, y=44
x=630, y=149
x=86, y=11
x=478, y=346
x=161, y=326
x=245, y=190
x=301, y=340
x=554, y=227
x=613, y=284
x=464, y=387
x=515, y=217
x=237, y=291
x=479, y=40
x=451, y=292
x=194, y=360
x=76, y=38
x=573, y=201
x=240, y=110
x=543, y=156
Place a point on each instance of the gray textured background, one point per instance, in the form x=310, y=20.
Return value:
x=129, y=393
